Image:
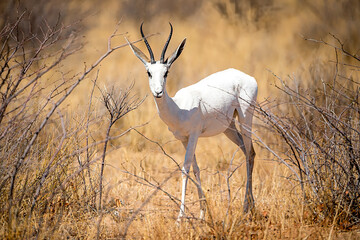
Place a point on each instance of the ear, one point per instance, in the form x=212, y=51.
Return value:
x=176, y=54
x=138, y=53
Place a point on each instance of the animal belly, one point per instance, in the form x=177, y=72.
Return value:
x=214, y=128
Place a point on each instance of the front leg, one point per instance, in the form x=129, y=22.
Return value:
x=198, y=184
x=189, y=156
x=200, y=191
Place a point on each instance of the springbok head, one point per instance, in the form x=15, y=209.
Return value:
x=157, y=70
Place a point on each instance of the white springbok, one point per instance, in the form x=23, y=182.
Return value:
x=204, y=109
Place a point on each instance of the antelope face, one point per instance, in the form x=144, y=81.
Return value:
x=157, y=71
x=157, y=78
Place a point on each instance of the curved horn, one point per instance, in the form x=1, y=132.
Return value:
x=166, y=44
x=147, y=45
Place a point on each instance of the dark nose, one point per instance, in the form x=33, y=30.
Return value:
x=159, y=94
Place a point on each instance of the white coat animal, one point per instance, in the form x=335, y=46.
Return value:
x=204, y=109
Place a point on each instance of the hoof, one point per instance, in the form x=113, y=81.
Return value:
x=248, y=207
x=202, y=215
x=179, y=220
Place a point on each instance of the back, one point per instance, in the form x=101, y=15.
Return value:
x=219, y=90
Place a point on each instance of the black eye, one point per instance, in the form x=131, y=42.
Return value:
x=166, y=74
x=149, y=74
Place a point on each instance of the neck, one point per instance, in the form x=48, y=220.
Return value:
x=168, y=110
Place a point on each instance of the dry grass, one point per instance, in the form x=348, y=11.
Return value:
x=141, y=183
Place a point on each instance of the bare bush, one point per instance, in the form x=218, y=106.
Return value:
x=320, y=129
x=117, y=104
x=43, y=155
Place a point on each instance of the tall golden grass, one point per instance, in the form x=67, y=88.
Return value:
x=141, y=181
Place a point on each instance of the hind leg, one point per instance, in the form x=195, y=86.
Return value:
x=233, y=134
x=249, y=198
x=246, y=126
x=243, y=140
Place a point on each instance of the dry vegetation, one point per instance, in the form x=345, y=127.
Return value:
x=83, y=153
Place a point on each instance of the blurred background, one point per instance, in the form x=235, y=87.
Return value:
x=252, y=36
x=258, y=37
